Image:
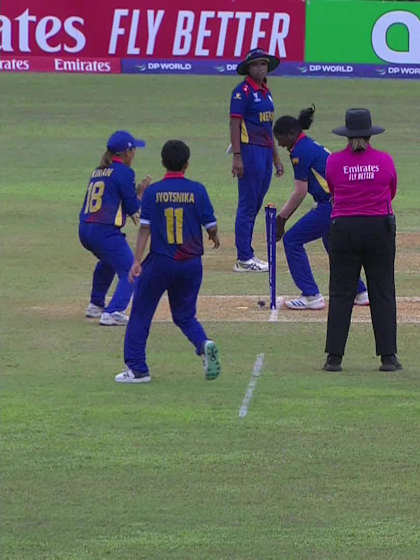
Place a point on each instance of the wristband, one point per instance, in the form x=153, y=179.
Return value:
x=236, y=153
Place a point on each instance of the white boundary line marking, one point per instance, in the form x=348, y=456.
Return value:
x=256, y=373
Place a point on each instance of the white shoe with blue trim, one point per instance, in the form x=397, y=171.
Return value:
x=362, y=298
x=127, y=376
x=93, y=311
x=115, y=319
x=251, y=265
x=306, y=302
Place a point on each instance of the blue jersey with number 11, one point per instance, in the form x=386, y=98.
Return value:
x=176, y=209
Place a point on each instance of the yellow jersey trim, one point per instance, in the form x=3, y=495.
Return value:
x=321, y=180
x=118, y=217
x=244, y=134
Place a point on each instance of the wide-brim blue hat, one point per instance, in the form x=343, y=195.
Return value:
x=358, y=125
x=257, y=54
x=122, y=140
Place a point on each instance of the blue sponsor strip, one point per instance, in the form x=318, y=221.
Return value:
x=314, y=69
x=322, y=69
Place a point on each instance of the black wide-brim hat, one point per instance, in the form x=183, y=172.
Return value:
x=257, y=54
x=358, y=125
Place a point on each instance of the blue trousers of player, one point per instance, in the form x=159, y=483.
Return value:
x=109, y=245
x=313, y=225
x=252, y=187
x=182, y=281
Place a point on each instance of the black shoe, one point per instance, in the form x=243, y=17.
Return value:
x=333, y=363
x=389, y=363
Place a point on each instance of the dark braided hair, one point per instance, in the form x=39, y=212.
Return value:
x=287, y=124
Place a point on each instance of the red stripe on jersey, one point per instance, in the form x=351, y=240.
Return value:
x=301, y=136
x=174, y=175
x=263, y=87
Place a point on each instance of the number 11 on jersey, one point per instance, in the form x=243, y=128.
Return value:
x=174, y=222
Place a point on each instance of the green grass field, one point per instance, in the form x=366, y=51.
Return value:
x=324, y=466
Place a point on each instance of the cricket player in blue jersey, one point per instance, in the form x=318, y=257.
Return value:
x=309, y=161
x=254, y=152
x=174, y=210
x=111, y=195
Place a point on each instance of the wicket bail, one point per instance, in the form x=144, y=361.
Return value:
x=270, y=230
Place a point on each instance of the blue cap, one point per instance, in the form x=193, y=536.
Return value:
x=123, y=140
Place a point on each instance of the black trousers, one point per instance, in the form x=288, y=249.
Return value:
x=368, y=242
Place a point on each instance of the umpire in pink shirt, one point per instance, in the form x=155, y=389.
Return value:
x=362, y=182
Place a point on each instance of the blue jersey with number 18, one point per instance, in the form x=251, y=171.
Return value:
x=176, y=208
x=111, y=195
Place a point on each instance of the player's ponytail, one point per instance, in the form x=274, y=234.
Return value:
x=106, y=160
x=306, y=117
x=288, y=125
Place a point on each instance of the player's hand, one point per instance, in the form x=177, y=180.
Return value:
x=135, y=218
x=142, y=186
x=278, y=166
x=237, y=166
x=280, y=227
x=135, y=271
x=213, y=236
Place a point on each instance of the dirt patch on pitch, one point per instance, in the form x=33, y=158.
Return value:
x=245, y=309
x=248, y=309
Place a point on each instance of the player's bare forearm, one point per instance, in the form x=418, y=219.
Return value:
x=142, y=238
x=235, y=139
x=277, y=162
x=235, y=134
x=291, y=205
x=295, y=200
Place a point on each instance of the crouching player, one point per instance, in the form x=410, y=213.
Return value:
x=173, y=212
x=111, y=196
x=309, y=160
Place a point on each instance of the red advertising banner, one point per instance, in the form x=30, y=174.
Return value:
x=58, y=64
x=160, y=29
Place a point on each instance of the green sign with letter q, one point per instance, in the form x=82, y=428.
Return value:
x=354, y=31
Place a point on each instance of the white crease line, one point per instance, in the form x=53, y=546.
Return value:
x=274, y=314
x=296, y=321
x=256, y=373
x=410, y=299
